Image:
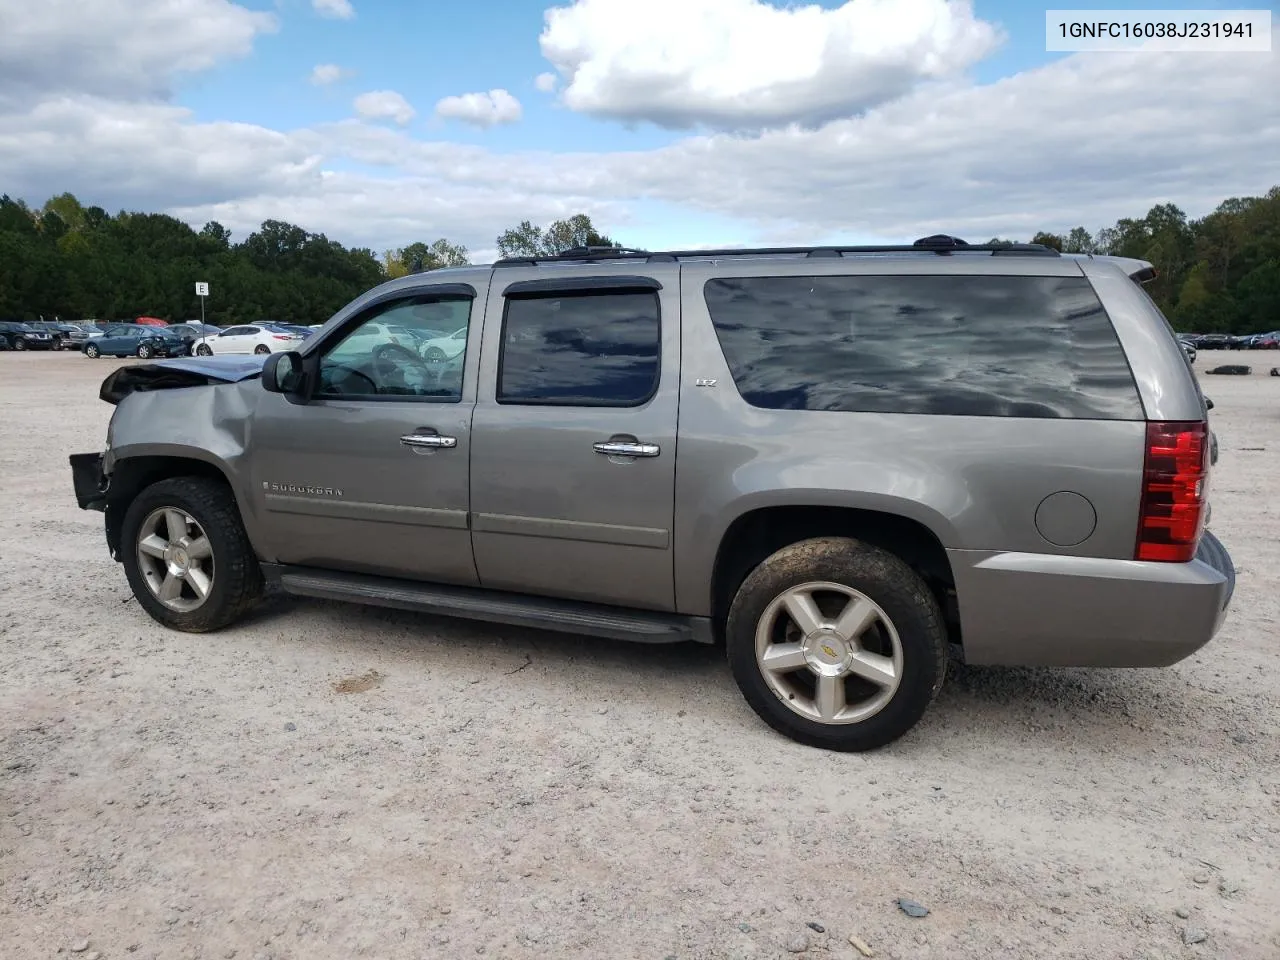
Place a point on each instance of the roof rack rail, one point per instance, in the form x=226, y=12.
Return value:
x=940, y=244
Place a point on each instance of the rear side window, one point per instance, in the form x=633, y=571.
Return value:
x=983, y=346
x=581, y=349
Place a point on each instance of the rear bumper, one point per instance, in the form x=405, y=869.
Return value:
x=1029, y=609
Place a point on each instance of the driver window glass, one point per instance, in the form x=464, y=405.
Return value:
x=404, y=349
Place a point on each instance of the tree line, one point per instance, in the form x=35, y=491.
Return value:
x=1217, y=274
x=1220, y=273
x=77, y=262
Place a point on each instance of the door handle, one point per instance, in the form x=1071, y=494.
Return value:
x=430, y=440
x=626, y=448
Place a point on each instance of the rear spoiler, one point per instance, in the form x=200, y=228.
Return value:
x=1139, y=271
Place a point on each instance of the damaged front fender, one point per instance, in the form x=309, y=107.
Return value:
x=179, y=418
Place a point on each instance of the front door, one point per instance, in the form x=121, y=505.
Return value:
x=573, y=439
x=372, y=474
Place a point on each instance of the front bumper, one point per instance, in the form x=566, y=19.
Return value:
x=89, y=481
x=1030, y=609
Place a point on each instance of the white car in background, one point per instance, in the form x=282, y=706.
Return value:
x=250, y=338
x=441, y=349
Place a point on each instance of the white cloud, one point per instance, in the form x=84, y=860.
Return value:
x=546, y=82
x=323, y=74
x=747, y=65
x=1085, y=140
x=117, y=48
x=384, y=105
x=334, y=9
x=481, y=109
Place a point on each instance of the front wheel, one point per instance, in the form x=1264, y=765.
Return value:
x=204, y=350
x=92, y=352
x=19, y=343
x=187, y=556
x=837, y=644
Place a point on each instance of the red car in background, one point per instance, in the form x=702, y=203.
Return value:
x=151, y=322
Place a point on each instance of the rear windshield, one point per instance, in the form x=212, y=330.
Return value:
x=1035, y=347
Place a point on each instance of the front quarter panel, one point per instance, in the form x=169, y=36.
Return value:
x=210, y=424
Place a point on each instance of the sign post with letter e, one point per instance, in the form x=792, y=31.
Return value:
x=202, y=291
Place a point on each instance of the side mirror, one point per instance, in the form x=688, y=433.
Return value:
x=283, y=373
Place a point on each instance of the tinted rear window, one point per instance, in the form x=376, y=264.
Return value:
x=580, y=349
x=1037, y=347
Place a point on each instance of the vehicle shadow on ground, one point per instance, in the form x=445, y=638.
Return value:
x=1023, y=701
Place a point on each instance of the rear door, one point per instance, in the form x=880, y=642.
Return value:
x=574, y=435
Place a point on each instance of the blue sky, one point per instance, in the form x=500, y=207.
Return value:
x=1003, y=138
x=430, y=49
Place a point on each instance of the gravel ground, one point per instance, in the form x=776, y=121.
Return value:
x=330, y=781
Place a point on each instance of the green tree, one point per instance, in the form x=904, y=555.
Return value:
x=1048, y=239
x=1078, y=240
x=527, y=240
x=1258, y=298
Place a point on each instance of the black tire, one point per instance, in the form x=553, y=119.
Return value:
x=237, y=578
x=144, y=351
x=91, y=351
x=57, y=343
x=261, y=349
x=19, y=343
x=204, y=350
x=881, y=577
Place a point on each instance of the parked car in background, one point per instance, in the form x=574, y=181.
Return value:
x=133, y=340
x=25, y=336
x=262, y=338
x=193, y=330
x=296, y=328
x=445, y=348
x=1188, y=348
x=151, y=322
x=69, y=336
x=1213, y=341
x=1265, y=341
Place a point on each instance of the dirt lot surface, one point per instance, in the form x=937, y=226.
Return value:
x=330, y=781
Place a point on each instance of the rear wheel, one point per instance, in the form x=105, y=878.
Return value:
x=187, y=556
x=837, y=644
x=144, y=351
x=261, y=348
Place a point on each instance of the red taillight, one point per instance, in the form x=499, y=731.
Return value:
x=280, y=336
x=1173, y=491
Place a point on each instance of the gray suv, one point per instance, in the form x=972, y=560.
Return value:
x=846, y=464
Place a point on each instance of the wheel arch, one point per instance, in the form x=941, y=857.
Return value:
x=131, y=474
x=757, y=533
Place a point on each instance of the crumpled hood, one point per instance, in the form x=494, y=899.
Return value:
x=179, y=372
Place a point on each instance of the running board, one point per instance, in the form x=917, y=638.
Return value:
x=492, y=606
